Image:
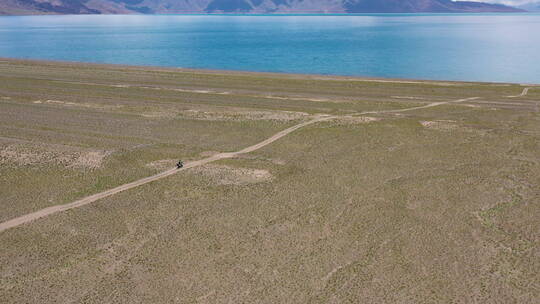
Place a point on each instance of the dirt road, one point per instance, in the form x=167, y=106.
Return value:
x=523, y=93
x=433, y=104
x=90, y=199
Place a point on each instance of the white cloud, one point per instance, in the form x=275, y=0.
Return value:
x=507, y=2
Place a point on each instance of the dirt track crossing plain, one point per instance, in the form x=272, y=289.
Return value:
x=296, y=188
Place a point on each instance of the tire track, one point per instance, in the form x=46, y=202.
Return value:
x=433, y=104
x=523, y=93
x=92, y=198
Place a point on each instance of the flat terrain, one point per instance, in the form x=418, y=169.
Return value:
x=297, y=189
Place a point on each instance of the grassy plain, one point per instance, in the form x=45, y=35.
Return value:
x=436, y=205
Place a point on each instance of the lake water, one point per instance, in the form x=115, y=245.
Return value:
x=486, y=47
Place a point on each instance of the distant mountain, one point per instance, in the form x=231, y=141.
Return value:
x=422, y=6
x=26, y=7
x=15, y=7
x=531, y=7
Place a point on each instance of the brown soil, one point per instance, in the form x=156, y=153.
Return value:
x=226, y=175
x=162, y=164
x=244, y=115
x=352, y=120
x=26, y=155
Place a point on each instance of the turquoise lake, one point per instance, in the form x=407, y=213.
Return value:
x=485, y=47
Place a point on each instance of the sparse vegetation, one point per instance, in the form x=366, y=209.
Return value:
x=436, y=205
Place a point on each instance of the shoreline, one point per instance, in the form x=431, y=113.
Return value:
x=329, y=14
x=256, y=73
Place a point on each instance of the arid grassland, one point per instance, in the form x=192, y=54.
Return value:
x=404, y=191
